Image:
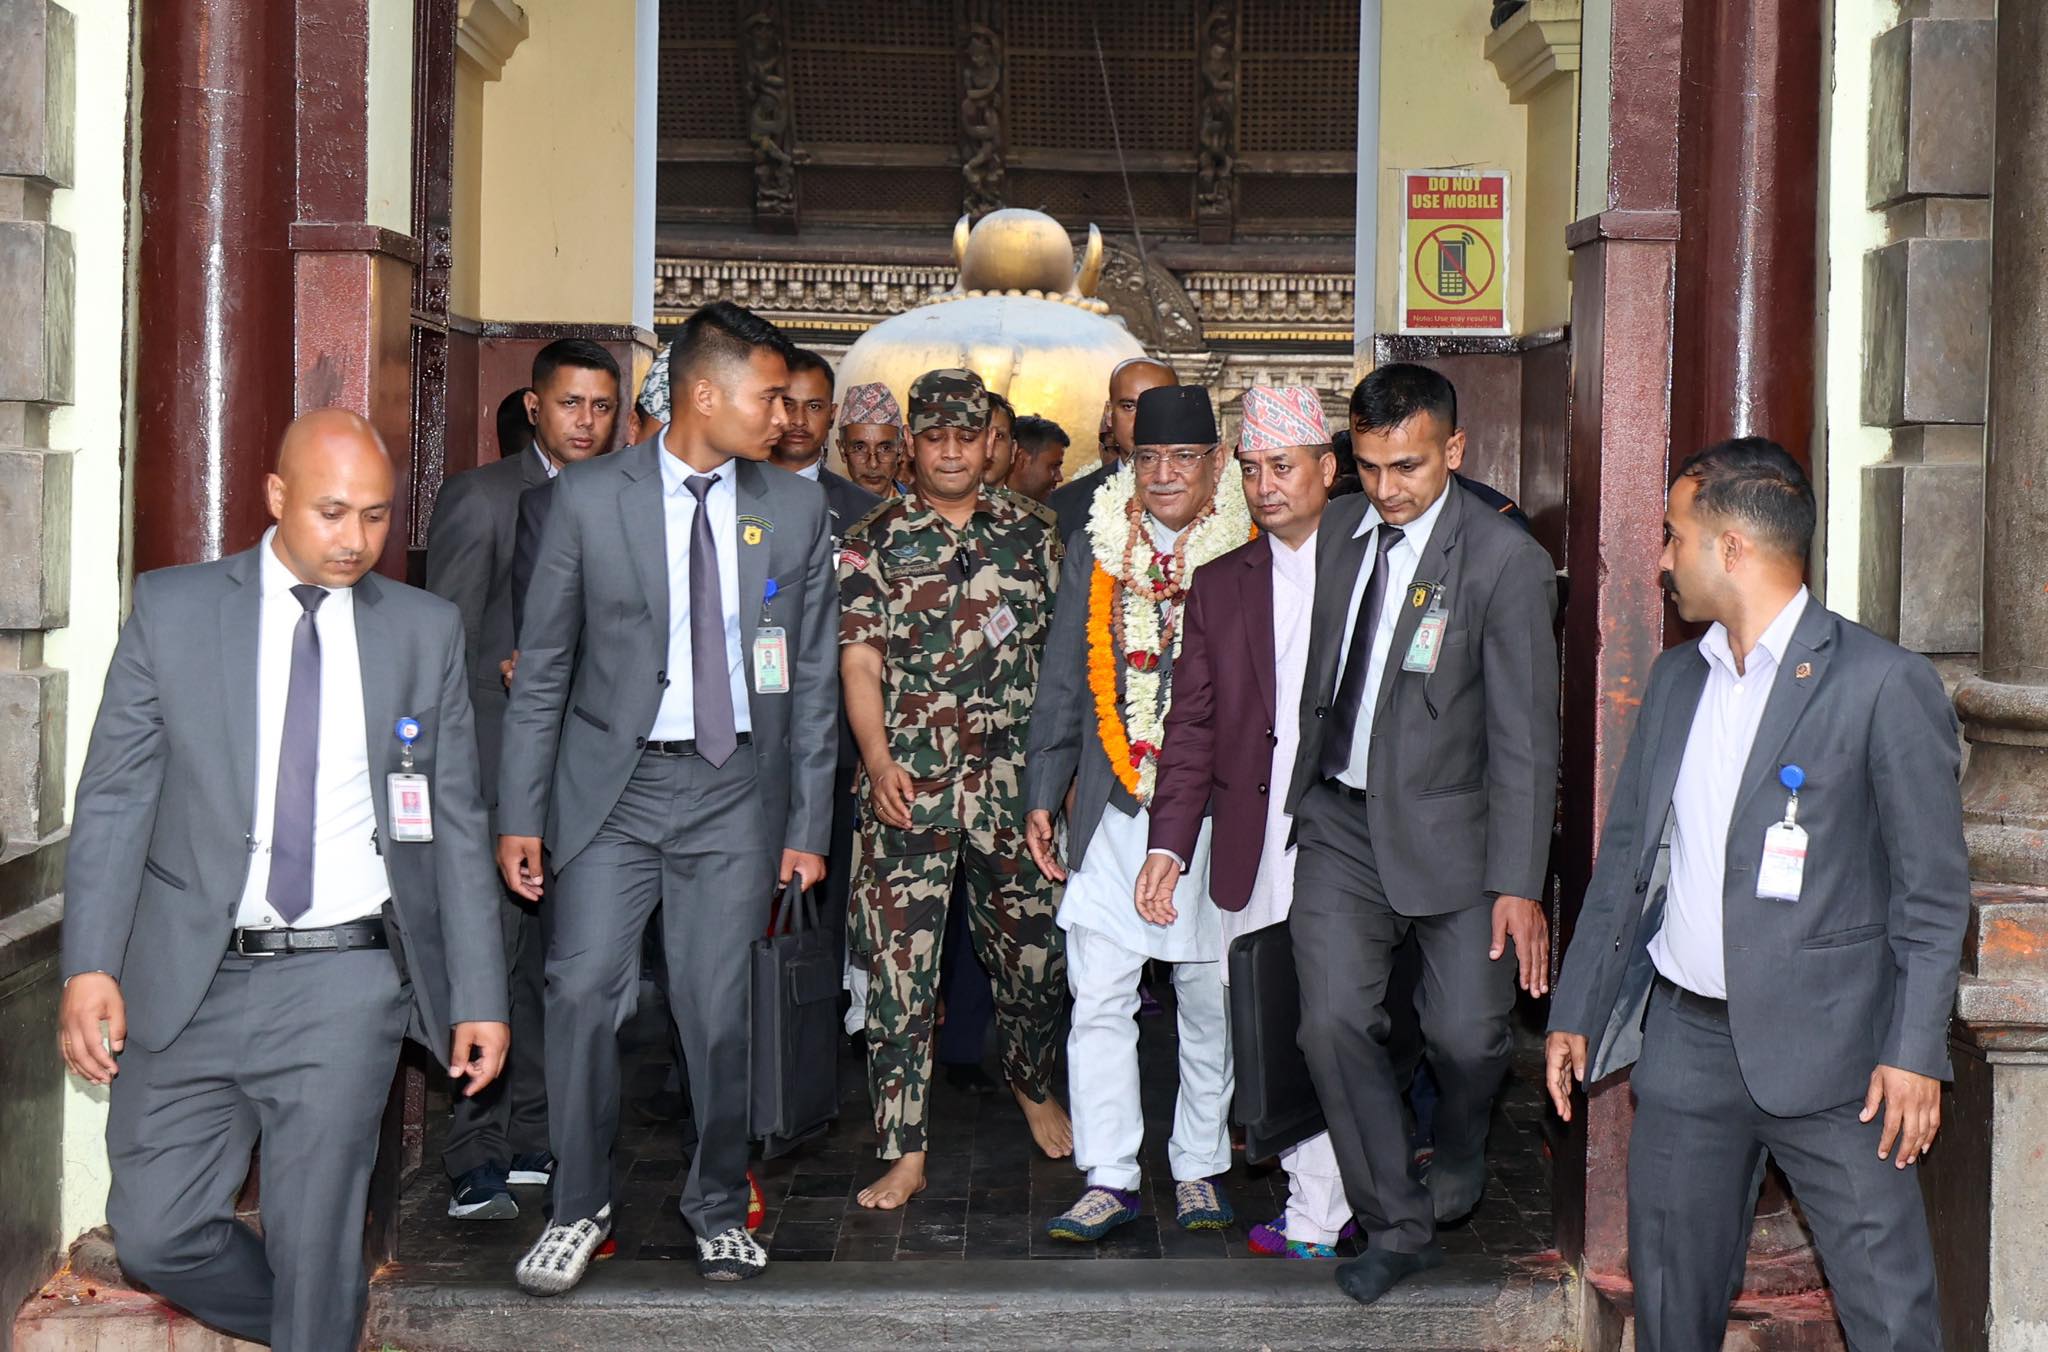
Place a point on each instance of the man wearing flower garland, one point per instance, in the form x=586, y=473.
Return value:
x=1098, y=725
x=946, y=594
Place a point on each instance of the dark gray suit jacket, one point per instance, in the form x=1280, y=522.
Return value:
x=470, y=549
x=1065, y=746
x=847, y=501
x=159, y=855
x=594, y=651
x=1463, y=772
x=1861, y=970
x=1070, y=501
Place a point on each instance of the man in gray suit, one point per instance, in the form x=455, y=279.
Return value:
x=808, y=406
x=1423, y=794
x=1773, y=927
x=1131, y=378
x=671, y=740
x=501, y=1137
x=278, y=870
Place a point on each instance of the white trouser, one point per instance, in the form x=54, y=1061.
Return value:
x=855, y=983
x=1317, y=1210
x=1102, y=1064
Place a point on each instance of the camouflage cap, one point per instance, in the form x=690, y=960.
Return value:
x=948, y=398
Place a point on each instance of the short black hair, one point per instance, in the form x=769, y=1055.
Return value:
x=1034, y=433
x=803, y=359
x=579, y=353
x=998, y=404
x=515, y=429
x=1396, y=392
x=1755, y=481
x=717, y=333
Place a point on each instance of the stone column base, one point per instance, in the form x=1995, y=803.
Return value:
x=2005, y=789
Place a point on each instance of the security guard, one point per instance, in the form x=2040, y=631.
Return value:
x=946, y=595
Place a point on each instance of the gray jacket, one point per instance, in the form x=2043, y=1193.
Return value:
x=1463, y=772
x=594, y=651
x=159, y=848
x=469, y=561
x=1861, y=970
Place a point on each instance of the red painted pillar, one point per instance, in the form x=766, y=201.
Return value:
x=213, y=318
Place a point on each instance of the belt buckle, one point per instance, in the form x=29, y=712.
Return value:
x=240, y=942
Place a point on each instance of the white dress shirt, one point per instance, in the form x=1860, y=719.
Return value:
x=676, y=719
x=1687, y=948
x=810, y=471
x=349, y=881
x=1401, y=563
x=550, y=466
x=1294, y=594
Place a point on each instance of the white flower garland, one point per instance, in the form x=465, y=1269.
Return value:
x=1148, y=597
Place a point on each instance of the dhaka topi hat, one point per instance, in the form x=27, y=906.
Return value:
x=949, y=397
x=1175, y=415
x=870, y=403
x=1289, y=416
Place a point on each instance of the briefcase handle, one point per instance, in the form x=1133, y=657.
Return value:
x=796, y=910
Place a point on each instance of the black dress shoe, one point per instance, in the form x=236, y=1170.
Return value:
x=1376, y=1271
x=970, y=1079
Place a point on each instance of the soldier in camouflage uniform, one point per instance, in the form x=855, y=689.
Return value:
x=945, y=598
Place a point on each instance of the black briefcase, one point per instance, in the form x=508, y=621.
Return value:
x=793, y=1077
x=1276, y=1100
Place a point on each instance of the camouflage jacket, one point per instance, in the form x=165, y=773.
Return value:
x=957, y=679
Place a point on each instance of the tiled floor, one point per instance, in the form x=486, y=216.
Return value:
x=990, y=1195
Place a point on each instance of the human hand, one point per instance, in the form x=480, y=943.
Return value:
x=1912, y=1111
x=519, y=862
x=478, y=1051
x=1564, y=1064
x=91, y=999
x=800, y=864
x=1038, y=839
x=1522, y=919
x=889, y=793
x=1156, y=882
x=507, y=667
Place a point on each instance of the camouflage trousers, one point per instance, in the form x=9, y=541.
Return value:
x=901, y=891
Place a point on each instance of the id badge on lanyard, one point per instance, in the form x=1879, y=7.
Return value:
x=1782, y=872
x=407, y=792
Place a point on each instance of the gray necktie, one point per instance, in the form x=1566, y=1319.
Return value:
x=710, y=677
x=298, y=769
x=1352, y=695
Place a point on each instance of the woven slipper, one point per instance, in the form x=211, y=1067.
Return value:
x=1271, y=1239
x=1099, y=1211
x=1199, y=1206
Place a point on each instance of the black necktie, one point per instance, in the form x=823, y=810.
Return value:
x=1344, y=712
x=710, y=676
x=298, y=769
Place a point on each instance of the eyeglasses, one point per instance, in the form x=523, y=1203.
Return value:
x=1147, y=462
x=867, y=453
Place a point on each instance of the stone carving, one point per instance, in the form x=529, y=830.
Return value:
x=1151, y=302
x=769, y=122
x=1218, y=153
x=982, y=143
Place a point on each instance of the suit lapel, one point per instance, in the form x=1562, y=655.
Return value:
x=1256, y=581
x=531, y=471
x=241, y=618
x=1673, y=730
x=1791, y=693
x=1431, y=567
x=751, y=489
x=640, y=507
x=380, y=660
x=1338, y=556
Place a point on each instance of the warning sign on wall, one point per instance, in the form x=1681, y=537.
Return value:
x=1454, y=251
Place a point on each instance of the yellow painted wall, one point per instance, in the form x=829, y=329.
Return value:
x=388, y=192
x=96, y=428
x=466, y=202
x=554, y=205
x=1441, y=107
x=1548, y=204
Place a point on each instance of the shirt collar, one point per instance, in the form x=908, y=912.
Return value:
x=546, y=464
x=810, y=471
x=674, y=473
x=276, y=580
x=1296, y=565
x=1417, y=532
x=1714, y=645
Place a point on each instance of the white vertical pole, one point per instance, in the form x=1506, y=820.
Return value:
x=1366, y=254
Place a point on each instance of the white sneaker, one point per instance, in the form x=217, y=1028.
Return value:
x=562, y=1254
x=730, y=1256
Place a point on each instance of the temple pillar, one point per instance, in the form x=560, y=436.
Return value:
x=1987, y=1194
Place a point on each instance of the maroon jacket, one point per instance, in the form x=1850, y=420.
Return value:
x=1218, y=756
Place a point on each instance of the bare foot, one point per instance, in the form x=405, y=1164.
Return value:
x=1049, y=1123
x=904, y=1181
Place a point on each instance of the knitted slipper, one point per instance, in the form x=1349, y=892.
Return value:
x=1199, y=1206
x=1271, y=1239
x=1099, y=1211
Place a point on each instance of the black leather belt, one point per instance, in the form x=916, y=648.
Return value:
x=687, y=747
x=1704, y=1005
x=278, y=943
x=1338, y=786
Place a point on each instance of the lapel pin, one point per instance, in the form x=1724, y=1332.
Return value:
x=1417, y=594
x=1802, y=671
x=752, y=535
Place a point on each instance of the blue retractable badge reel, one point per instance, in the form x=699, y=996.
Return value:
x=408, y=730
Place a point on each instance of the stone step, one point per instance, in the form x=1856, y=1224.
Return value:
x=1025, y=1304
